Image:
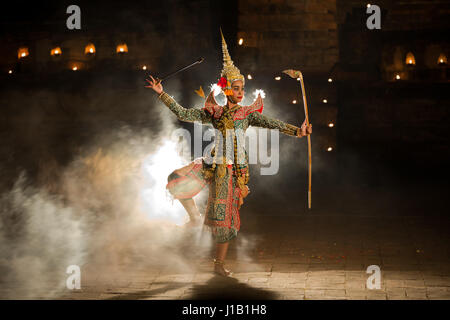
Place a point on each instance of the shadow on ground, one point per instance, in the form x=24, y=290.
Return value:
x=220, y=288
x=217, y=288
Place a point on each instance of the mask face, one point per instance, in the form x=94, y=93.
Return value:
x=237, y=87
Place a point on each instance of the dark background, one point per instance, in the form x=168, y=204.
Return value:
x=390, y=139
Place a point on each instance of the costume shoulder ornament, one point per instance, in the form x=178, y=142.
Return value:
x=216, y=110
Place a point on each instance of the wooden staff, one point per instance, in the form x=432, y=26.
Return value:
x=298, y=75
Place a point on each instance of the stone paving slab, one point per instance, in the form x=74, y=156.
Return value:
x=297, y=258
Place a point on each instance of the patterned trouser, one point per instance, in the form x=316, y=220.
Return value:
x=188, y=186
x=222, y=214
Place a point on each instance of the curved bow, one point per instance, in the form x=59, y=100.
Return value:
x=298, y=75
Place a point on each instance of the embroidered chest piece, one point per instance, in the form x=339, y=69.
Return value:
x=226, y=121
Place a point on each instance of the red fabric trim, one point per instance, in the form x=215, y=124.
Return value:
x=189, y=176
x=216, y=111
x=175, y=181
x=256, y=106
x=231, y=207
x=236, y=215
x=212, y=106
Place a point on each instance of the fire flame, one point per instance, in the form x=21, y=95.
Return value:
x=22, y=53
x=89, y=49
x=56, y=51
x=122, y=48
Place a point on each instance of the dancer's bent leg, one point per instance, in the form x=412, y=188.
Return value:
x=192, y=210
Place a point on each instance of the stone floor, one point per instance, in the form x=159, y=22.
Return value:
x=298, y=257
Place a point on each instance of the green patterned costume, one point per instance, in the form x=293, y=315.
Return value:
x=222, y=212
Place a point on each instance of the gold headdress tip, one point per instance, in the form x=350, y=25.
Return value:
x=229, y=71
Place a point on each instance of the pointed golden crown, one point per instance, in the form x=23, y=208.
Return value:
x=229, y=71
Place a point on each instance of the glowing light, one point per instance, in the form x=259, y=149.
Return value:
x=56, y=51
x=368, y=5
x=249, y=77
x=331, y=124
x=410, y=60
x=75, y=68
x=397, y=77
x=10, y=71
x=330, y=80
x=155, y=169
x=122, y=48
x=259, y=91
x=89, y=49
x=442, y=59
x=298, y=79
x=294, y=101
x=278, y=78
x=241, y=41
x=330, y=149
x=325, y=101
x=144, y=68
x=22, y=52
x=216, y=88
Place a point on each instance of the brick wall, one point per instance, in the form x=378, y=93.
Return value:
x=288, y=33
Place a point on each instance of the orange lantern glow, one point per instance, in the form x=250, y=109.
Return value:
x=89, y=49
x=22, y=53
x=56, y=51
x=442, y=60
x=410, y=60
x=122, y=48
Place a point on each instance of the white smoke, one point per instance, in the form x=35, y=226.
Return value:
x=39, y=238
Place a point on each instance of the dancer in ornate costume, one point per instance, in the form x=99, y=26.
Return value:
x=227, y=178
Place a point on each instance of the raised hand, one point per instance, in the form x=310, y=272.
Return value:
x=155, y=85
